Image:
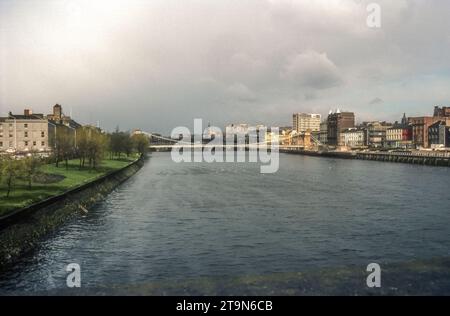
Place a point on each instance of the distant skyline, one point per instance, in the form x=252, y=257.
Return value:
x=155, y=65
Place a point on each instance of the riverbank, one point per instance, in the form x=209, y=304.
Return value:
x=416, y=157
x=52, y=181
x=23, y=228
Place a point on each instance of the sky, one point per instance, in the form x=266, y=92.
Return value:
x=159, y=64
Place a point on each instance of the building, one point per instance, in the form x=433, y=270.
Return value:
x=353, y=137
x=420, y=127
x=441, y=111
x=26, y=133
x=376, y=133
x=303, y=122
x=338, y=122
x=237, y=128
x=439, y=134
x=58, y=117
x=323, y=134
x=399, y=136
x=21, y=133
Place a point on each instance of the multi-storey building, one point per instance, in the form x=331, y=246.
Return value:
x=323, y=135
x=420, y=127
x=353, y=137
x=399, y=135
x=33, y=132
x=439, y=134
x=25, y=133
x=376, y=133
x=338, y=122
x=303, y=122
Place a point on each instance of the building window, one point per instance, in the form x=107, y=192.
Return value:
x=1, y=144
x=34, y=143
x=26, y=143
x=25, y=125
x=42, y=143
x=10, y=135
x=42, y=134
x=26, y=134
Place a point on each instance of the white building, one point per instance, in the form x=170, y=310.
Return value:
x=353, y=137
x=303, y=122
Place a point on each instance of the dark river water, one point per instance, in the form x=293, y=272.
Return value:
x=185, y=221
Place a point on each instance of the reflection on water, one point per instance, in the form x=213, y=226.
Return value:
x=215, y=221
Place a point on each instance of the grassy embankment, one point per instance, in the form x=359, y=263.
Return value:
x=53, y=181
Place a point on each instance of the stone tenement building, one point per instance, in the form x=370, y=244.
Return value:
x=32, y=132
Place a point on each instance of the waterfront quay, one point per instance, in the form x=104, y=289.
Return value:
x=411, y=157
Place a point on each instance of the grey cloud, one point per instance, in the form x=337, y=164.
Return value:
x=241, y=92
x=312, y=70
x=376, y=101
x=156, y=64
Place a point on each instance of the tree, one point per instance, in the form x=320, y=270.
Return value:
x=119, y=142
x=97, y=144
x=64, y=144
x=82, y=149
x=140, y=143
x=30, y=167
x=10, y=172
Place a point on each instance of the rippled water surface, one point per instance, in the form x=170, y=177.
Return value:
x=176, y=221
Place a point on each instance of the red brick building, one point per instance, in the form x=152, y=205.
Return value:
x=420, y=127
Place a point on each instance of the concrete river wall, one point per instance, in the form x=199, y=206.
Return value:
x=420, y=158
x=21, y=231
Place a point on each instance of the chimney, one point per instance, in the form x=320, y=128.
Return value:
x=27, y=112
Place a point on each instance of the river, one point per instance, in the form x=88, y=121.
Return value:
x=200, y=220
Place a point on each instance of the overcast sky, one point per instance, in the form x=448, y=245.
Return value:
x=155, y=65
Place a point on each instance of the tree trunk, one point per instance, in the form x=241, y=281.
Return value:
x=8, y=183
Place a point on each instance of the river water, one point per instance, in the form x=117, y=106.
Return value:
x=193, y=220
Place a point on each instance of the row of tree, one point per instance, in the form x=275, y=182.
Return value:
x=90, y=145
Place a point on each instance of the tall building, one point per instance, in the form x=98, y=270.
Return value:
x=303, y=122
x=323, y=135
x=338, y=122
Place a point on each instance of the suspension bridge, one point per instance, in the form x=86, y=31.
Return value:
x=161, y=143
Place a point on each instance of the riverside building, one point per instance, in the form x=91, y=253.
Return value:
x=303, y=122
x=29, y=132
x=337, y=123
